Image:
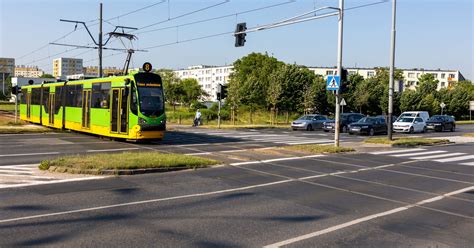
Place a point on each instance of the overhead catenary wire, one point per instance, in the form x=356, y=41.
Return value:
x=290, y=21
x=218, y=17
x=185, y=14
x=80, y=28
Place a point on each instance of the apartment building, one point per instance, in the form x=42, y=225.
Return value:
x=62, y=67
x=208, y=77
x=7, y=68
x=106, y=71
x=28, y=71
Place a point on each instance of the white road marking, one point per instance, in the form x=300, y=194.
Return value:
x=198, y=153
x=144, y=202
x=440, y=155
x=28, y=154
x=364, y=219
x=417, y=153
x=308, y=142
x=34, y=183
x=113, y=150
x=397, y=151
x=468, y=164
x=455, y=159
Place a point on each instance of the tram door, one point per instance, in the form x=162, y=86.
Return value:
x=86, y=108
x=28, y=104
x=119, y=111
x=51, y=108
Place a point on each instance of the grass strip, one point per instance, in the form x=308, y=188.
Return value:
x=7, y=107
x=464, y=122
x=18, y=128
x=98, y=163
x=406, y=141
x=317, y=149
x=468, y=135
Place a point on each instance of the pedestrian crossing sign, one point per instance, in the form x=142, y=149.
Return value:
x=333, y=82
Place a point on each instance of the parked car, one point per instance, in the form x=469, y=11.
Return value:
x=346, y=119
x=369, y=126
x=423, y=114
x=385, y=117
x=440, y=123
x=409, y=125
x=309, y=122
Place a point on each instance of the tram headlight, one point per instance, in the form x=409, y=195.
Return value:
x=141, y=121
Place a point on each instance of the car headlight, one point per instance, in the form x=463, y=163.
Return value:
x=365, y=126
x=437, y=124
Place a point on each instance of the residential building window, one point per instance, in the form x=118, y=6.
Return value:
x=418, y=75
x=435, y=75
x=443, y=75
x=329, y=73
x=370, y=74
x=411, y=75
x=442, y=84
x=452, y=76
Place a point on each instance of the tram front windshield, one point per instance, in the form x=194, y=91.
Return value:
x=150, y=94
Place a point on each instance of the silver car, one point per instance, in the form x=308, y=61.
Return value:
x=309, y=122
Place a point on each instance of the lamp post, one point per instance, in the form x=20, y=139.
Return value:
x=392, y=70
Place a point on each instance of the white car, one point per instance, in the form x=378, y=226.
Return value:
x=409, y=125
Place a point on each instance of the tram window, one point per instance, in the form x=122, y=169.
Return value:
x=46, y=99
x=23, y=97
x=100, y=95
x=133, y=104
x=58, y=99
x=74, y=96
x=35, y=96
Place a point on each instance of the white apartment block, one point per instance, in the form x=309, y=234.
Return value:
x=411, y=76
x=28, y=71
x=210, y=76
x=62, y=67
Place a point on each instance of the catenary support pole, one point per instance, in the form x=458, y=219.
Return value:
x=339, y=71
x=100, y=40
x=392, y=72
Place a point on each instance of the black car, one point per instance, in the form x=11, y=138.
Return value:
x=346, y=119
x=368, y=125
x=440, y=123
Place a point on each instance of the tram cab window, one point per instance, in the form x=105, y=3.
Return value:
x=150, y=94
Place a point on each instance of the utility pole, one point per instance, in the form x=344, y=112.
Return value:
x=339, y=70
x=100, y=41
x=392, y=72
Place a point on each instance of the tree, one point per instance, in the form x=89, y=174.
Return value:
x=46, y=76
x=249, y=81
x=274, y=93
x=192, y=91
x=173, y=87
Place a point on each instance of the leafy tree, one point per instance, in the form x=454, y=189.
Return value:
x=192, y=91
x=173, y=87
x=46, y=76
x=274, y=93
x=250, y=79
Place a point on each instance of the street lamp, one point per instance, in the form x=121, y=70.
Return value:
x=392, y=70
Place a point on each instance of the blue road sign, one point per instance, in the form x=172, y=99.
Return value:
x=333, y=82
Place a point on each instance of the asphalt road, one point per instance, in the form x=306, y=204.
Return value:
x=397, y=198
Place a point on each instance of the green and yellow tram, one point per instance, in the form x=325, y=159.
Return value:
x=129, y=107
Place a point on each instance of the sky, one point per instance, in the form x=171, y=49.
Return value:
x=431, y=34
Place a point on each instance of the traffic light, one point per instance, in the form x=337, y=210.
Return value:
x=221, y=92
x=16, y=90
x=344, y=81
x=240, y=38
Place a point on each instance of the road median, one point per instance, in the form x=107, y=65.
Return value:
x=317, y=149
x=124, y=163
x=408, y=142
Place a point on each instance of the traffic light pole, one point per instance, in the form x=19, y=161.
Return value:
x=392, y=72
x=219, y=116
x=339, y=71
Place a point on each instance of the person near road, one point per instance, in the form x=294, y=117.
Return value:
x=197, y=118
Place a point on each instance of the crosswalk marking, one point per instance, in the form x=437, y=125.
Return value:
x=12, y=176
x=455, y=158
x=398, y=151
x=417, y=153
x=440, y=155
